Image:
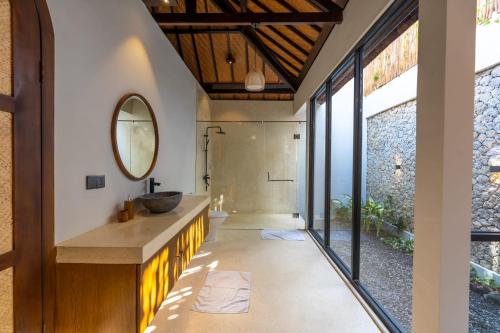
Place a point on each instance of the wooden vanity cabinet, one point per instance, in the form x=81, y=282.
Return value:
x=124, y=297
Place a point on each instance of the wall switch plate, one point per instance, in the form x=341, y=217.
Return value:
x=295, y=215
x=94, y=182
x=296, y=136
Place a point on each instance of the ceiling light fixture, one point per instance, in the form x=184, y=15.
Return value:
x=230, y=59
x=255, y=79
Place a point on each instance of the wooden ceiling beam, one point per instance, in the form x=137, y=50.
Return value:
x=191, y=31
x=244, y=6
x=190, y=6
x=260, y=47
x=292, y=9
x=279, y=33
x=325, y=5
x=288, y=40
x=269, y=57
x=239, y=88
x=247, y=19
x=280, y=47
x=286, y=61
x=327, y=29
x=225, y=31
x=291, y=27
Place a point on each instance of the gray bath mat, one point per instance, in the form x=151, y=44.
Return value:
x=290, y=235
x=224, y=292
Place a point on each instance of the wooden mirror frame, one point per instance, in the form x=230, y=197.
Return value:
x=116, y=152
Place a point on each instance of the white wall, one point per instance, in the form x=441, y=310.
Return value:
x=203, y=105
x=236, y=110
x=204, y=113
x=105, y=49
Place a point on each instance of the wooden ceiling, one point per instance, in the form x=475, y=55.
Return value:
x=286, y=35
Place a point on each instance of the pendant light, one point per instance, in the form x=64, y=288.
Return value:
x=255, y=80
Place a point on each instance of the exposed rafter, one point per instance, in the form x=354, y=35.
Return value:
x=267, y=56
x=325, y=5
x=190, y=6
x=239, y=88
x=285, y=5
x=286, y=35
x=327, y=29
x=190, y=31
x=247, y=18
x=290, y=27
x=281, y=47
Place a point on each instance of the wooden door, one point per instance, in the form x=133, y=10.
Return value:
x=20, y=168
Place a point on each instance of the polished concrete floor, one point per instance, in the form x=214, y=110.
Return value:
x=252, y=221
x=294, y=289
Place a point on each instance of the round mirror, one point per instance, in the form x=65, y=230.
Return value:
x=134, y=134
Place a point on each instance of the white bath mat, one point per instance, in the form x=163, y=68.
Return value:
x=224, y=292
x=290, y=235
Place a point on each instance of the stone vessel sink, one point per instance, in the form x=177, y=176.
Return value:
x=161, y=202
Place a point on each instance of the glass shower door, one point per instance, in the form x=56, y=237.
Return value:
x=254, y=166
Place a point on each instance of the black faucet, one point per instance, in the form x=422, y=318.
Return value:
x=152, y=185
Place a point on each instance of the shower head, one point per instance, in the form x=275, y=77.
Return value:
x=219, y=130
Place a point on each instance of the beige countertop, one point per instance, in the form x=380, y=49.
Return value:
x=132, y=242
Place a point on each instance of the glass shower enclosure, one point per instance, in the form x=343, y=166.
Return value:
x=257, y=167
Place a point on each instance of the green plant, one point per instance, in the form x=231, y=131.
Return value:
x=404, y=245
x=372, y=213
x=390, y=212
x=486, y=282
x=343, y=208
x=401, y=220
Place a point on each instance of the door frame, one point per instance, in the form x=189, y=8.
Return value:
x=47, y=104
x=31, y=103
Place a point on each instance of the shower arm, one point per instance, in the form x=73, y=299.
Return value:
x=220, y=131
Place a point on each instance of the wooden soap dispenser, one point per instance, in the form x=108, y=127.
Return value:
x=129, y=207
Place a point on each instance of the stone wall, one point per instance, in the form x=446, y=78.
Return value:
x=391, y=140
x=486, y=185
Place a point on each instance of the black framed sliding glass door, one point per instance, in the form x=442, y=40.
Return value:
x=351, y=160
x=341, y=163
x=317, y=215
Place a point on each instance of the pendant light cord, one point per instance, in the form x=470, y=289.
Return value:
x=254, y=26
x=254, y=58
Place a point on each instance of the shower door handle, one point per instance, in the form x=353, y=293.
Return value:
x=277, y=180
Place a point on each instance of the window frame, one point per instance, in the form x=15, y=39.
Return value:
x=395, y=16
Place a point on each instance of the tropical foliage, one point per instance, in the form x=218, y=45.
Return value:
x=372, y=214
x=404, y=245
